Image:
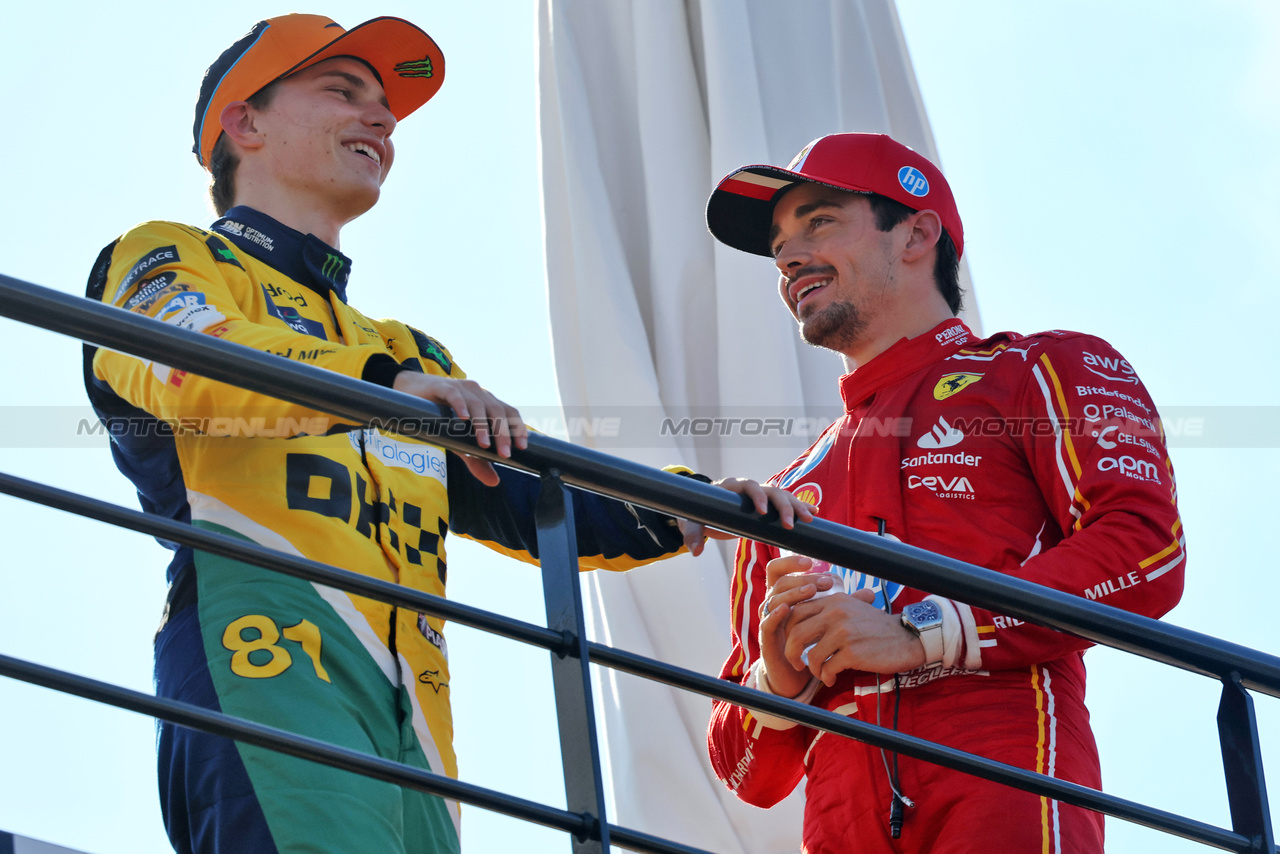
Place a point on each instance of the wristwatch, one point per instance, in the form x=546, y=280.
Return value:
x=924, y=620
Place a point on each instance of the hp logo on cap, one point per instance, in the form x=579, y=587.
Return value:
x=913, y=181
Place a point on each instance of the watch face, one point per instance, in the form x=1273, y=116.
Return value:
x=923, y=613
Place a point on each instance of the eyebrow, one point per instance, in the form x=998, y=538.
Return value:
x=356, y=82
x=802, y=212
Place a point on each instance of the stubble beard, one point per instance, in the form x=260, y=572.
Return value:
x=835, y=327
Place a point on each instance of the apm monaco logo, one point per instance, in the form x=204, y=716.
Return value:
x=913, y=181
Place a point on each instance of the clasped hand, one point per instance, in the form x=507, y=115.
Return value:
x=846, y=631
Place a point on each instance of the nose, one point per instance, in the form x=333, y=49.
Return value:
x=792, y=254
x=380, y=117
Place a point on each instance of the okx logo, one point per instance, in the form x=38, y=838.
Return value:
x=943, y=435
x=415, y=68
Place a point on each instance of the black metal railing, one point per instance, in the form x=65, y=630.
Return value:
x=1238, y=668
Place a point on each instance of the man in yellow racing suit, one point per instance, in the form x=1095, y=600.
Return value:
x=305, y=110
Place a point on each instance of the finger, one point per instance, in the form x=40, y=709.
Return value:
x=828, y=668
x=798, y=641
x=482, y=424
x=781, y=566
x=694, y=536
x=481, y=470
x=456, y=400
x=519, y=431
x=489, y=416
x=756, y=493
x=795, y=599
x=774, y=618
x=793, y=582
x=865, y=595
x=505, y=426
x=783, y=500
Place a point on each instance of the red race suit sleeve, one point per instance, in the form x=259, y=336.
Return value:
x=758, y=756
x=1104, y=472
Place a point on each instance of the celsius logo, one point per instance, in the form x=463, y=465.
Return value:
x=943, y=435
x=913, y=181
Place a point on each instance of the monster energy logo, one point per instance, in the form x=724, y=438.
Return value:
x=332, y=266
x=415, y=68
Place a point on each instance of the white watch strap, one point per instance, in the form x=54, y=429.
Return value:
x=931, y=638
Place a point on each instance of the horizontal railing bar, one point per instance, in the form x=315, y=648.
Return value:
x=217, y=723
x=909, y=745
x=582, y=825
x=282, y=741
x=298, y=567
x=404, y=597
x=364, y=403
x=528, y=633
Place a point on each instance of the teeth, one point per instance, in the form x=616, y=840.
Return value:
x=362, y=148
x=808, y=288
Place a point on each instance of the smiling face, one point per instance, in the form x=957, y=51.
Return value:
x=837, y=267
x=326, y=138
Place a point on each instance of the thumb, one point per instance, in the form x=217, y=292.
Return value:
x=481, y=470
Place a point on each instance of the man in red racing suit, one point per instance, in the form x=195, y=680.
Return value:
x=1039, y=456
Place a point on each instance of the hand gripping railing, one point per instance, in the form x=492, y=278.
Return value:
x=1239, y=668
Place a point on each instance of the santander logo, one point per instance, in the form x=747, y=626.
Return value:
x=943, y=435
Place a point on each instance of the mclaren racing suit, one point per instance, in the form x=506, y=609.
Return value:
x=1041, y=457
x=275, y=649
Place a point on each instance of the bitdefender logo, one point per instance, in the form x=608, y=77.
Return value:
x=943, y=435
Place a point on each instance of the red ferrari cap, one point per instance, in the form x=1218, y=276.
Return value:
x=740, y=210
x=407, y=61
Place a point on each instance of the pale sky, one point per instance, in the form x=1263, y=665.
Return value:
x=1116, y=167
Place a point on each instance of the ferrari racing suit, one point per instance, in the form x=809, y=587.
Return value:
x=275, y=649
x=1037, y=456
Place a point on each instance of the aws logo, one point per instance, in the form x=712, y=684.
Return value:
x=953, y=384
x=810, y=493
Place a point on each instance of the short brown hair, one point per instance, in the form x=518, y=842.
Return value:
x=223, y=161
x=946, y=266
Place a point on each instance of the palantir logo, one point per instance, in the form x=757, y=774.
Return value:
x=913, y=181
x=943, y=435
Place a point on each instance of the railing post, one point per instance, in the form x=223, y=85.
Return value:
x=570, y=672
x=1242, y=762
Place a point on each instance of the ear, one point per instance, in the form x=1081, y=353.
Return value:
x=237, y=122
x=925, y=232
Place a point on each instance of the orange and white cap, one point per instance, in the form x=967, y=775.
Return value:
x=407, y=61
